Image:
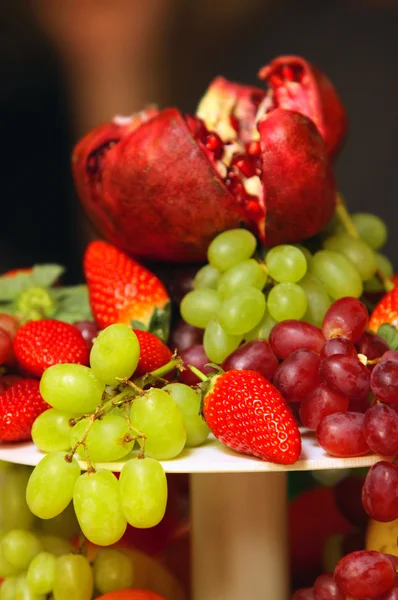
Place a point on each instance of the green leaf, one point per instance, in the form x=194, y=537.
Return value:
x=138, y=325
x=46, y=275
x=159, y=324
x=389, y=333
x=11, y=287
x=73, y=304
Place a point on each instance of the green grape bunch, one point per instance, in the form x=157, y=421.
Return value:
x=99, y=416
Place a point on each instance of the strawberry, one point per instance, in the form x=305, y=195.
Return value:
x=386, y=311
x=153, y=353
x=123, y=291
x=20, y=405
x=248, y=414
x=40, y=344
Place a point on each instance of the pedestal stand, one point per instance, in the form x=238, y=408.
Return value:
x=239, y=536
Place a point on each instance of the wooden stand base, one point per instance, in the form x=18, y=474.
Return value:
x=239, y=532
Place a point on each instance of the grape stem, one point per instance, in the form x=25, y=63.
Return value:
x=198, y=373
x=345, y=219
x=131, y=389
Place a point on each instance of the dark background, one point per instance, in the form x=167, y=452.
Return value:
x=355, y=43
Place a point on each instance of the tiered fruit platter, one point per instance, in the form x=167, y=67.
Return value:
x=279, y=354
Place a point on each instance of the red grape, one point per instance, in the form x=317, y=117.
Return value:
x=359, y=404
x=6, y=348
x=380, y=492
x=347, y=495
x=196, y=357
x=184, y=336
x=380, y=429
x=384, y=381
x=338, y=345
x=325, y=588
x=364, y=574
x=345, y=375
x=340, y=434
x=304, y=594
x=347, y=317
x=390, y=595
x=394, y=561
x=256, y=355
x=297, y=376
x=9, y=323
x=372, y=345
x=89, y=331
x=390, y=355
x=320, y=403
x=290, y=335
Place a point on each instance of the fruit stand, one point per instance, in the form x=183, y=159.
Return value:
x=238, y=511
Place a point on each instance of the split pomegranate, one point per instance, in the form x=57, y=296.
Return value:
x=161, y=185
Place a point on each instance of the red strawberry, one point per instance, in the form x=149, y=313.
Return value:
x=386, y=311
x=248, y=414
x=14, y=272
x=123, y=291
x=153, y=353
x=40, y=344
x=20, y=405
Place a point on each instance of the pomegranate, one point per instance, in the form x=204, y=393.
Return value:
x=161, y=185
x=294, y=84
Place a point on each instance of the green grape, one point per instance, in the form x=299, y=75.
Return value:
x=230, y=248
x=246, y=273
x=40, y=575
x=385, y=266
x=305, y=251
x=330, y=477
x=71, y=388
x=332, y=551
x=207, y=277
x=19, y=547
x=105, y=441
x=54, y=544
x=6, y=570
x=286, y=263
x=337, y=273
x=157, y=416
x=115, y=354
x=371, y=229
x=287, y=301
x=8, y=589
x=14, y=510
x=262, y=330
x=199, y=306
x=143, y=489
x=188, y=401
x=242, y=311
x=63, y=525
x=113, y=570
x=50, y=487
x=218, y=344
x=97, y=503
x=73, y=578
x=358, y=252
x=317, y=298
x=23, y=591
x=51, y=430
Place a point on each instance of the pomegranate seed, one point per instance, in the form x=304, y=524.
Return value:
x=288, y=73
x=245, y=163
x=253, y=148
x=234, y=122
x=214, y=143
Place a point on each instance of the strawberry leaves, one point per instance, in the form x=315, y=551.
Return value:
x=30, y=295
